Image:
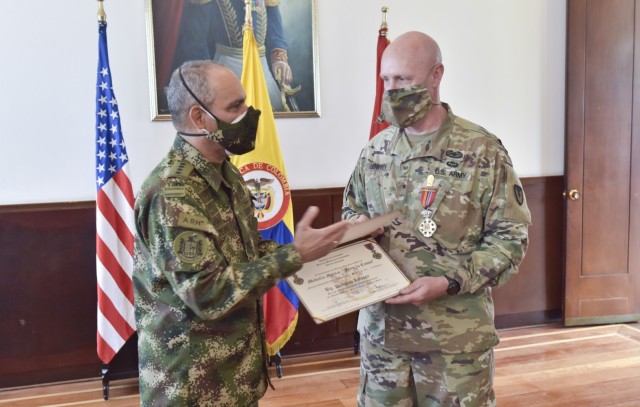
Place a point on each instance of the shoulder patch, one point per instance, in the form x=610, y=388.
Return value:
x=518, y=193
x=180, y=169
x=190, y=247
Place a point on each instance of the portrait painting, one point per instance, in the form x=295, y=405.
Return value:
x=285, y=30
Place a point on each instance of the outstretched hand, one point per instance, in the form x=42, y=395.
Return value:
x=314, y=243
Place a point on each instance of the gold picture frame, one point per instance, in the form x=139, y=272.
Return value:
x=167, y=21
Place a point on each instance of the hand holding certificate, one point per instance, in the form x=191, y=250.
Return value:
x=350, y=277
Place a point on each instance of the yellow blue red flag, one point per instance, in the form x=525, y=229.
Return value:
x=265, y=175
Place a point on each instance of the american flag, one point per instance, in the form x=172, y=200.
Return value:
x=114, y=217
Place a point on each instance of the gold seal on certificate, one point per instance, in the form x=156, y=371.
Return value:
x=351, y=277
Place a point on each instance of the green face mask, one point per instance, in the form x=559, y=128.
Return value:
x=238, y=137
x=404, y=107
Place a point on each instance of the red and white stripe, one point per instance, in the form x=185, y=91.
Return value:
x=115, y=233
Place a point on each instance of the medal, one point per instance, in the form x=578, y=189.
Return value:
x=427, y=227
x=427, y=195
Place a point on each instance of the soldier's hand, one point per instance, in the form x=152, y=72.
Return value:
x=422, y=290
x=314, y=243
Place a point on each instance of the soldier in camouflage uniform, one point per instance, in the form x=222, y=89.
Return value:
x=200, y=264
x=462, y=230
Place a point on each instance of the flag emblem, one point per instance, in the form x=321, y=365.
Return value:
x=270, y=190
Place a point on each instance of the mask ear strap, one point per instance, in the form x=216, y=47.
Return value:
x=204, y=131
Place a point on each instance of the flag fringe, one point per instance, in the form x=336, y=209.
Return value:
x=273, y=348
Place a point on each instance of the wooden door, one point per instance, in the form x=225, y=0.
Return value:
x=602, y=162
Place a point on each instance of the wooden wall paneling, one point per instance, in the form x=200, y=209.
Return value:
x=534, y=295
x=48, y=294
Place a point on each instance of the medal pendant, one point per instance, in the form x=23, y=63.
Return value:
x=428, y=227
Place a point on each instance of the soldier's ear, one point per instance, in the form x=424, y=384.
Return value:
x=197, y=117
x=438, y=71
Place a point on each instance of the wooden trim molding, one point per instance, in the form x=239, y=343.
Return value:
x=48, y=290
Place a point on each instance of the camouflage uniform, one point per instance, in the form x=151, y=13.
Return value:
x=200, y=269
x=481, y=237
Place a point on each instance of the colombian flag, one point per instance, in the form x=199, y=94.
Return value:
x=264, y=174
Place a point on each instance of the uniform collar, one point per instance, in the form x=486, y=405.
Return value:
x=439, y=144
x=211, y=173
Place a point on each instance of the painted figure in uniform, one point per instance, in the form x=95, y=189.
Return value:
x=212, y=29
x=463, y=230
x=200, y=266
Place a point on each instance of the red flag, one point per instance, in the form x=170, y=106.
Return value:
x=376, y=124
x=114, y=217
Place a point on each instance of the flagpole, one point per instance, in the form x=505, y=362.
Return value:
x=383, y=25
x=248, y=24
x=104, y=370
x=102, y=16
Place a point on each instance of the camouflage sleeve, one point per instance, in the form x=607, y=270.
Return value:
x=202, y=260
x=266, y=247
x=505, y=236
x=354, y=202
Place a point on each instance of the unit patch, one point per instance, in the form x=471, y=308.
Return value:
x=190, y=247
x=517, y=190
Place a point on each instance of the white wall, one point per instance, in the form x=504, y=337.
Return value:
x=504, y=69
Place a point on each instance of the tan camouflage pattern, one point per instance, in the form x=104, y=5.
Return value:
x=426, y=379
x=480, y=240
x=200, y=269
x=403, y=107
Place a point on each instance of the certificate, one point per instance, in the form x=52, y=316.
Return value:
x=349, y=278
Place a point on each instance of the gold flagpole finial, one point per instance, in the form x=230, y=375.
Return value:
x=384, y=17
x=102, y=16
x=248, y=24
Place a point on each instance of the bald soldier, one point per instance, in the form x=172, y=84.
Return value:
x=463, y=230
x=200, y=265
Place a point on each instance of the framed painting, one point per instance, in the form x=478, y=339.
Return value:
x=285, y=30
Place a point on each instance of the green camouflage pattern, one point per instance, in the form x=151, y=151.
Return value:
x=200, y=269
x=403, y=107
x=482, y=221
x=427, y=379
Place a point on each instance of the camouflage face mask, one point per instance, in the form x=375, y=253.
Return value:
x=238, y=137
x=403, y=107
